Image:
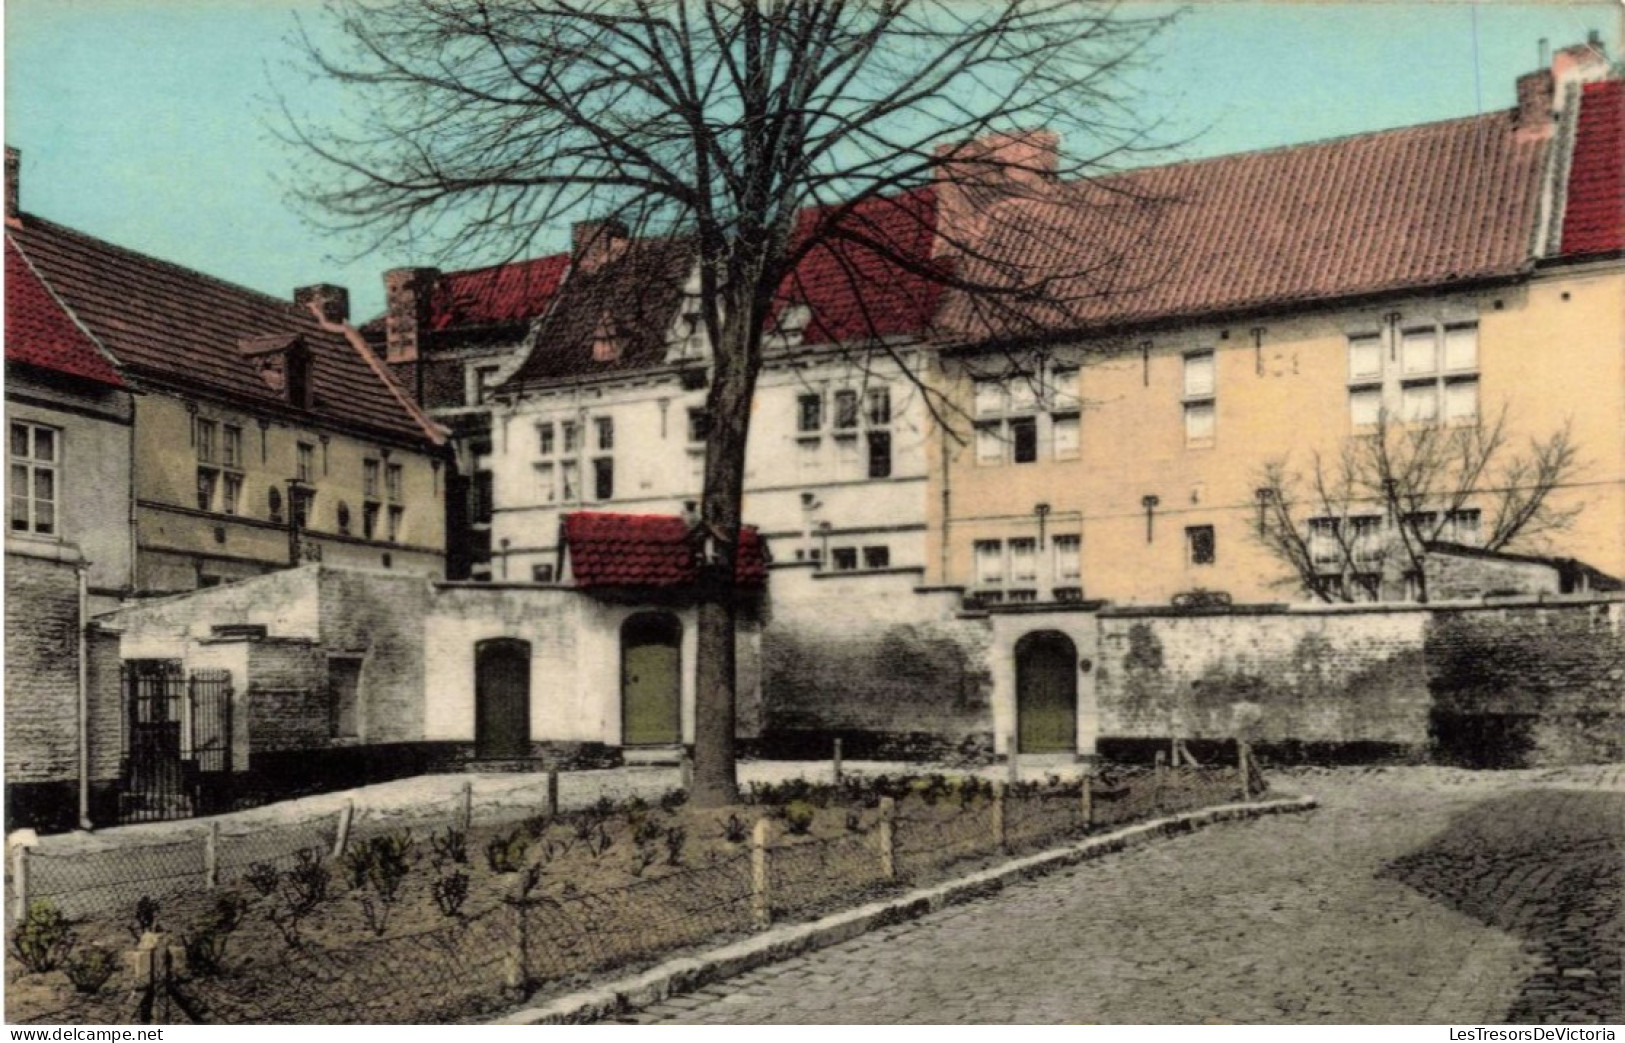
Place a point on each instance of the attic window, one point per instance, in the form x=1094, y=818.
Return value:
x=284, y=363
x=792, y=323
x=606, y=346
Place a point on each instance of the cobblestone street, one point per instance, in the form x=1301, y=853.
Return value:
x=1412, y=896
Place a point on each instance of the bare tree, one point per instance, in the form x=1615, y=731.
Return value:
x=1347, y=524
x=478, y=125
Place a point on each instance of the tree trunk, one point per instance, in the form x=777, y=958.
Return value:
x=733, y=386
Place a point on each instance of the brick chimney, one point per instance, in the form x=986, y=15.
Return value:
x=14, y=164
x=1581, y=63
x=594, y=244
x=406, y=296
x=331, y=302
x=1535, y=103
x=973, y=176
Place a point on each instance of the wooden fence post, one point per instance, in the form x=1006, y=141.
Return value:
x=837, y=760
x=999, y=835
x=1244, y=768
x=465, y=811
x=761, y=913
x=211, y=856
x=553, y=793
x=19, y=882
x=888, y=839
x=1161, y=776
x=342, y=839
x=1086, y=807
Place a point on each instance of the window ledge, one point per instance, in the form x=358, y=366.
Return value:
x=46, y=548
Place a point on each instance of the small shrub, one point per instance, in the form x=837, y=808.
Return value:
x=584, y=824
x=600, y=842
x=673, y=799
x=798, y=817
x=43, y=939
x=263, y=878
x=734, y=831
x=603, y=808
x=450, y=846
x=206, y=948
x=89, y=969
x=507, y=854
x=636, y=811
x=536, y=826
x=306, y=882
x=450, y=892
x=146, y=917
x=676, y=840
x=854, y=822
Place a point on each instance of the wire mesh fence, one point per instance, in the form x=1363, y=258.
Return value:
x=303, y=922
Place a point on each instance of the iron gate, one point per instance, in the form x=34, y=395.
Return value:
x=177, y=741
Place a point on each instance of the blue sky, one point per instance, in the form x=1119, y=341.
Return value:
x=144, y=122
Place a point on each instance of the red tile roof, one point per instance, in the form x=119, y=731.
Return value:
x=854, y=292
x=496, y=296
x=647, y=550
x=40, y=332
x=1594, y=213
x=1415, y=207
x=175, y=325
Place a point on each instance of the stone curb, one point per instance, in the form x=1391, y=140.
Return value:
x=686, y=974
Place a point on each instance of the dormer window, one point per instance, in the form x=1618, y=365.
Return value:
x=791, y=325
x=286, y=366
x=606, y=345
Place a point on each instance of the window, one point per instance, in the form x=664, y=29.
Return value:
x=1365, y=538
x=846, y=456
x=34, y=461
x=207, y=480
x=877, y=407
x=207, y=430
x=369, y=479
x=567, y=436
x=1064, y=430
x=231, y=446
x=699, y=425
x=846, y=410
x=1419, y=403
x=306, y=470
x=231, y=493
x=1461, y=348
x=879, y=454
x=546, y=491
x=344, y=518
x=1461, y=400
x=1023, y=395
x=485, y=382
x=1365, y=406
x=844, y=559
x=989, y=563
x=877, y=557
x=343, y=685
x=1199, y=408
x=605, y=428
x=603, y=478
x=569, y=481
x=544, y=438
x=809, y=413
x=1466, y=527
x=1064, y=388
x=1324, y=548
x=1024, y=440
x=989, y=444
x=393, y=483
x=1199, y=541
x=1419, y=351
x=396, y=517
x=1023, y=560
x=299, y=505
x=541, y=573
x=1365, y=357
x=1068, y=561
x=273, y=503
x=1436, y=375
x=481, y=498
x=990, y=398
x=696, y=468
x=369, y=521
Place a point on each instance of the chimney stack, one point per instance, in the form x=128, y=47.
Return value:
x=13, y=188
x=594, y=244
x=331, y=302
x=1535, y=103
x=974, y=176
x=406, y=296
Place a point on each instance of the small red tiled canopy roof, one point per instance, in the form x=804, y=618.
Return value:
x=647, y=550
x=1594, y=219
x=40, y=332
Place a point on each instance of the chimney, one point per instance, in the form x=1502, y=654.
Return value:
x=594, y=244
x=13, y=187
x=331, y=302
x=1535, y=101
x=1580, y=63
x=406, y=296
x=973, y=176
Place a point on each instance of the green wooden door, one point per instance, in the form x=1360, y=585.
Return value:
x=1046, y=694
x=502, y=698
x=651, y=681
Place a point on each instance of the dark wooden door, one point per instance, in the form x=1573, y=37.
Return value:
x=1046, y=693
x=651, y=680
x=502, y=698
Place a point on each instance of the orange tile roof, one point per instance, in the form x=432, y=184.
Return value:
x=647, y=550
x=1416, y=207
x=179, y=326
x=39, y=332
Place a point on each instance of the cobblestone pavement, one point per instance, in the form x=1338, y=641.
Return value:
x=1413, y=896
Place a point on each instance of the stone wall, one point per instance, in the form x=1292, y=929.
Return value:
x=42, y=670
x=865, y=657
x=1529, y=684
x=287, y=697
x=1467, y=575
x=380, y=618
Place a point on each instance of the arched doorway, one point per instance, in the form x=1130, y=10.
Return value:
x=1046, y=693
x=651, y=680
x=502, y=698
